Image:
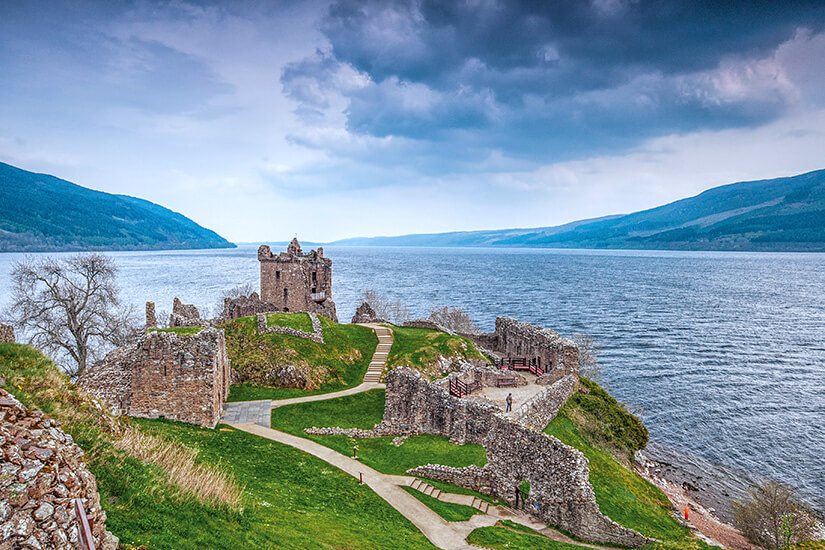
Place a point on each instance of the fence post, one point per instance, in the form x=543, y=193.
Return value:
x=84, y=531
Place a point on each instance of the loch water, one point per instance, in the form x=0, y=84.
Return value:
x=723, y=354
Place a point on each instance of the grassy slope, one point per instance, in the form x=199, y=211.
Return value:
x=293, y=500
x=447, y=510
x=298, y=321
x=364, y=410
x=421, y=348
x=339, y=363
x=503, y=537
x=598, y=426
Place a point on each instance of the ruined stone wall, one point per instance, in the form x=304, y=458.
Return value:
x=296, y=281
x=316, y=336
x=545, y=346
x=365, y=314
x=485, y=377
x=41, y=474
x=557, y=473
x=6, y=333
x=539, y=411
x=244, y=306
x=183, y=378
x=151, y=319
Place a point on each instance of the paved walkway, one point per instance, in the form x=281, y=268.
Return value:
x=249, y=416
x=248, y=412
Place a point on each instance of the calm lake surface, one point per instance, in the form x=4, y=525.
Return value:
x=723, y=353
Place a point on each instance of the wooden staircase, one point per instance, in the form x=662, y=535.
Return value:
x=379, y=358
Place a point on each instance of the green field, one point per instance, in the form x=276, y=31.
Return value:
x=447, y=510
x=364, y=410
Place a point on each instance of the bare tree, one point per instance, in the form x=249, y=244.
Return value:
x=385, y=308
x=773, y=517
x=70, y=307
x=588, y=362
x=453, y=318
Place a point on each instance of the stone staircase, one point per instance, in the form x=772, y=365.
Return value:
x=379, y=359
x=466, y=500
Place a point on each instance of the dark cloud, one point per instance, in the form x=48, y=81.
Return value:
x=549, y=79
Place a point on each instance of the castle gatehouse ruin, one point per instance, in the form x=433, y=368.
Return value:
x=560, y=491
x=295, y=281
x=184, y=378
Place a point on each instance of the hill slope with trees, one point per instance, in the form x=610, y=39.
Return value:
x=782, y=214
x=42, y=213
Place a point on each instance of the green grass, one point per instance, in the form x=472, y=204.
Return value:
x=337, y=364
x=180, y=331
x=500, y=537
x=421, y=349
x=447, y=510
x=291, y=499
x=450, y=488
x=298, y=321
x=622, y=495
x=364, y=410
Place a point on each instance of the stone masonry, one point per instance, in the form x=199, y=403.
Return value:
x=6, y=333
x=41, y=473
x=560, y=490
x=296, y=281
x=243, y=306
x=183, y=378
x=151, y=318
x=558, y=356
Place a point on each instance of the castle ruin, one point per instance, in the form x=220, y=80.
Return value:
x=295, y=281
x=537, y=346
x=184, y=378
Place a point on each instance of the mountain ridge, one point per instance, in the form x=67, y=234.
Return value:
x=779, y=214
x=43, y=213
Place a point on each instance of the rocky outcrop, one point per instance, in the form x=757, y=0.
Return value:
x=41, y=474
x=365, y=314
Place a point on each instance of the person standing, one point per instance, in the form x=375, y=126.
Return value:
x=509, y=401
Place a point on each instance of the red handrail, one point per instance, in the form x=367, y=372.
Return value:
x=83, y=527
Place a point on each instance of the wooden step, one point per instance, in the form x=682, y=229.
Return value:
x=436, y=493
x=429, y=490
x=416, y=483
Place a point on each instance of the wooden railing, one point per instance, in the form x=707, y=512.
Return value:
x=458, y=388
x=521, y=363
x=84, y=526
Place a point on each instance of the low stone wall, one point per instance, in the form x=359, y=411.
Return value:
x=6, y=334
x=543, y=408
x=41, y=474
x=316, y=336
x=244, y=306
x=478, y=479
x=427, y=323
x=183, y=378
x=560, y=490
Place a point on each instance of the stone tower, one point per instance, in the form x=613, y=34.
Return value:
x=295, y=281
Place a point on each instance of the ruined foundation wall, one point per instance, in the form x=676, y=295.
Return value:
x=558, y=474
x=41, y=474
x=517, y=339
x=183, y=378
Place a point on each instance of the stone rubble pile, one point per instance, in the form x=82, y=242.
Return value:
x=41, y=473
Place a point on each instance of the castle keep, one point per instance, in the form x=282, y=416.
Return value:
x=295, y=281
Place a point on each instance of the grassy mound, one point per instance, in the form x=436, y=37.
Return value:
x=339, y=363
x=597, y=425
x=365, y=410
x=424, y=349
x=605, y=422
x=290, y=499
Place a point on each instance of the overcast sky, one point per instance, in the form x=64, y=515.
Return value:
x=261, y=119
